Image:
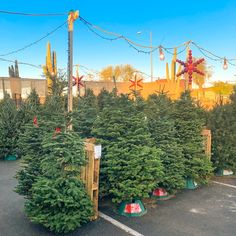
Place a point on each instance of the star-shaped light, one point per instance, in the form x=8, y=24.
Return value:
x=190, y=66
x=78, y=81
x=135, y=83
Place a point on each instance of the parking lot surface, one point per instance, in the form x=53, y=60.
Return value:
x=206, y=211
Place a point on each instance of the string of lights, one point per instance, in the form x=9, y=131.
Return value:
x=136, y=46
x=35, y=42
x=141, y=48
x=117, y=36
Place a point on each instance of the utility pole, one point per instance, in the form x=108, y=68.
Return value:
x=73, y=15
x=151, y=61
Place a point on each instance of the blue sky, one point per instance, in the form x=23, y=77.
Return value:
x=211, y=24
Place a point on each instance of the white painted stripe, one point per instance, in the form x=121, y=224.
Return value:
x=228, y=185
x=120, y=225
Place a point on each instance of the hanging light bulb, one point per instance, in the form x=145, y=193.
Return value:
x=225, y=66
x=161, y=54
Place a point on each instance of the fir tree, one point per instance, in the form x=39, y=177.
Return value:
x=85, y=114
x=163, y=132
x=9, y=127
x=58, y=197
x=28, y=110
x=189, y=126
x=130, y=166
x=223, y=127
x=106, y=98
x=30, y=144
x=54, y=113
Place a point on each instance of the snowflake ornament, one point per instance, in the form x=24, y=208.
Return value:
x=190, y=66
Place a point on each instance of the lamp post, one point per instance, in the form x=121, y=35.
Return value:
x=151, y=61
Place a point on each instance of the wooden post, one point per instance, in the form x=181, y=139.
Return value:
x=90, y=174
x=73, y=15
x=206, y=133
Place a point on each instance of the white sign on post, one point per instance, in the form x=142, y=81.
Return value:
x=97, y=151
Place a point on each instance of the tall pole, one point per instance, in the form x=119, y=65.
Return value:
x=151, y=62
x=69, y=70
x=73, y=15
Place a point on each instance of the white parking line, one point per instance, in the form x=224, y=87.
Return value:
x=228, y=185
x=120, y=225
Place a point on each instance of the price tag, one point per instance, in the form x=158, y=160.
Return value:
x=98, y=151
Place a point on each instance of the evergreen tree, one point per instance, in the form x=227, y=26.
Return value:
x=163, y=132
x=9, y=126
x=106, y=98
x=223, y=127
x=85, y=114
x=58, y=197
x=130, y=167
x=54, y=113
x=28, y=110
x=189, y=126
x=30, y=144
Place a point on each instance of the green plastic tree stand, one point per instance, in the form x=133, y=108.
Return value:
x=10, y=158
x=133, y=208
x=160, y=194
x=222, y=172
x=190, y=184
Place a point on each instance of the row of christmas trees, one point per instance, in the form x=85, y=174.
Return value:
x=145, y=145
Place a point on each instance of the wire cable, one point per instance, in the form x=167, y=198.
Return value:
x=33, y=43
x=21, y=63
x=119, y=36
x=32, y=14
x=136, y=46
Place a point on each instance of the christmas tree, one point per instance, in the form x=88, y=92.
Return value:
x=106, y=98
x=9, y=127
x=30, y=144
x=223, y=127
x=189, y=125
x=85, y=114
x=58, y=197
x=130, y=166
x=162, y=129
x=53, y=112
x=28, y=110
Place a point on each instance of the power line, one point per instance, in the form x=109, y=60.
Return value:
x=35, y=42
x=32, y=14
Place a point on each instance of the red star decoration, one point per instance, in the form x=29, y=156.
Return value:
x=190, y=66
x=78, y=81
x=135, y=83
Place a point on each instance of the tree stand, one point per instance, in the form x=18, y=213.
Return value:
x=190, y=184
x=222, y=172
x=10, y=158
x=160, y=194
x=132, y=208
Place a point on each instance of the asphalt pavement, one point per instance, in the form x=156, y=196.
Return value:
x=206, y=211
